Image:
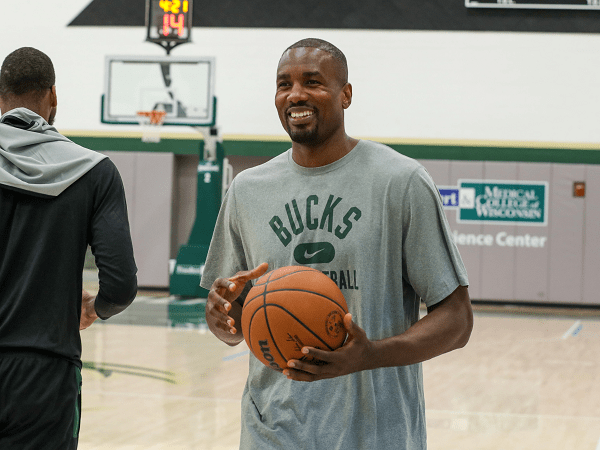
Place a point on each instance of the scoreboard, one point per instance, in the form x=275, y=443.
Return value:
x=535, y=4
x=169, y=21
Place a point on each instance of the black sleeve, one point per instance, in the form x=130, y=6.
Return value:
x=110, y=241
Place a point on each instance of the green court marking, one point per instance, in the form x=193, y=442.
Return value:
x=107, y=369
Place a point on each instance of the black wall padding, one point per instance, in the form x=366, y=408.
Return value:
x=442, y=15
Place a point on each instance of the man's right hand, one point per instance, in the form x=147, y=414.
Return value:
x=223, y=313
x=88, y=310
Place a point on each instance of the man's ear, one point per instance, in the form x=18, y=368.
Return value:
x=53, y=98
x=347, y=95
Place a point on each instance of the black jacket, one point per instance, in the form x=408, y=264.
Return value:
x=43, y=242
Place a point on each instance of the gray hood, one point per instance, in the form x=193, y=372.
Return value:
x=36, y=158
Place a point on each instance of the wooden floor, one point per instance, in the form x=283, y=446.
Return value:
x=528, y=379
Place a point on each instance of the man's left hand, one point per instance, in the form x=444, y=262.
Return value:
x=353, y=356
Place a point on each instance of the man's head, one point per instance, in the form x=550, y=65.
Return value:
x=312, y=91
x=328, y=47
x=27, y=80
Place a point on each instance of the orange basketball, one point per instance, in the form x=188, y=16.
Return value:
x=289, y=308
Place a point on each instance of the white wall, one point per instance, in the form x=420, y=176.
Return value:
x=407, y=84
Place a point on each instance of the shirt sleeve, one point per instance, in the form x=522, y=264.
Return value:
x=226, y=254
x=110, y=241
x=431, y=261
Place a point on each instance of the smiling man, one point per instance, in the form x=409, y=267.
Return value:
x=370, y=218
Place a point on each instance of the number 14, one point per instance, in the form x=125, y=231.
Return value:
x=173, y=21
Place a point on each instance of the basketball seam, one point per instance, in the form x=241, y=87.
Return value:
x=249, y=300
x=309, y=292
x=263, y=294
x=301, y=269
x=267, y=318
x=268, y=327
x=270, y=274
x=297, y=320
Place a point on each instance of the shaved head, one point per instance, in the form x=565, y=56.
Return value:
x=328, y=47
x=25, y=71
x=27, y=81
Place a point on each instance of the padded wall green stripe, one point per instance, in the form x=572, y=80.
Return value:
x=418, y=151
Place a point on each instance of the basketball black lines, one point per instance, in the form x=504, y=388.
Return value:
x=291, y=308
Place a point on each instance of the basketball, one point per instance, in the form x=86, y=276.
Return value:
x=290, y=308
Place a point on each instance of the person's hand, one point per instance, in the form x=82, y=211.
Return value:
x=353, y=356
x=222, y=311
x=88, y=310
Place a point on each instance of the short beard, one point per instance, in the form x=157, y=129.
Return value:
x=304, y=136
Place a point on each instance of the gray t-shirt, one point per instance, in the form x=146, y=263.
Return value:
x=373, y=221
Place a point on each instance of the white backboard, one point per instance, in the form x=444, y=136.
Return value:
x=183, y=87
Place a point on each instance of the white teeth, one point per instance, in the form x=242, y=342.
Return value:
x=297, y=115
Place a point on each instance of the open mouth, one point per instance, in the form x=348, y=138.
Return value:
x=300, y=116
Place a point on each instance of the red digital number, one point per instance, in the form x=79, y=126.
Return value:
x=166, y=30
x=179, y=23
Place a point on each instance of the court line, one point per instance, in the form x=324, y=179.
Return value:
x=598, y=446
x=236, y=355
x=574, y=330
x=159, y=397
x=507, y=414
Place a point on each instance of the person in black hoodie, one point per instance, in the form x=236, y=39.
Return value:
x=56, y=198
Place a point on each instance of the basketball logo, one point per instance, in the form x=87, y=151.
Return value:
x=334, y=324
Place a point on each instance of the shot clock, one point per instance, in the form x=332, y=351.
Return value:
x=169, y=22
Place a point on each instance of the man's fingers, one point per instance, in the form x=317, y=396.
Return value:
x=259, y=271
x=348, y=324
x=221, y=285
x=248, y=275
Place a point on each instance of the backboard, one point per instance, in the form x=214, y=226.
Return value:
x=183, y=87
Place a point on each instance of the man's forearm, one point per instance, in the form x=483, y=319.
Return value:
x=113, y=297
x=445, y=328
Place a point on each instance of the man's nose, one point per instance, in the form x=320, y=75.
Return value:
x=297, y=93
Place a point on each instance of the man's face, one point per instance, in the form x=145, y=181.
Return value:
x=311, y=96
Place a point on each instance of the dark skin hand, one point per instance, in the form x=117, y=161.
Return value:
x=446, y=327
x=88, y=311
x=223, y=313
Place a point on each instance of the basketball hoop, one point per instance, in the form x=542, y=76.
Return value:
x=151, y=122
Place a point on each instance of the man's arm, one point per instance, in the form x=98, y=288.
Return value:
x=446, y=327
x=111, y=244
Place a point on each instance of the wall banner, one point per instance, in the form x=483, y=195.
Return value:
x=498, y=202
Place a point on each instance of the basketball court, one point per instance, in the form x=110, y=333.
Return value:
x=528, y=379
x=155, y=378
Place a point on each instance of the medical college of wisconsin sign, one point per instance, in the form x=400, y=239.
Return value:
x=486, y=202
x=498, y=202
